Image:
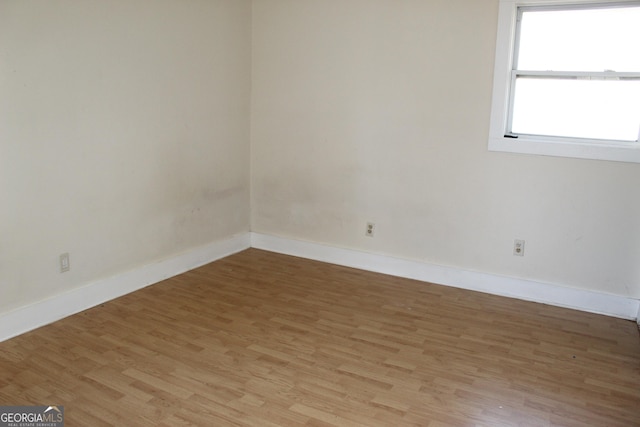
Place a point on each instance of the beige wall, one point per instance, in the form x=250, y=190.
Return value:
x=125, y=128
x=378, y=110
x=124, y=136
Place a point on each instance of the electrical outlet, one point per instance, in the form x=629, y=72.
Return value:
x=370, y=229
x=64, y=263
x=518, y=247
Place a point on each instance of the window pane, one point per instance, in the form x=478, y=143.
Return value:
x=580, y=40
x=597, y=109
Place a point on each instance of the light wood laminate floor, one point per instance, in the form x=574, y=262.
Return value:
x=261, y=339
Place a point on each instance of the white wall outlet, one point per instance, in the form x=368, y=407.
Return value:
x=371, y=227
x=64, y=263
x=518, y=247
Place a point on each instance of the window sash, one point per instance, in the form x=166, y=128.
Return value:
x=563, y=75
x=578, y=75
x=569, y=75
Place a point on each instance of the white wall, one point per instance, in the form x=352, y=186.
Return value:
x=124, y=136
x=125, y=128
x=378, y=110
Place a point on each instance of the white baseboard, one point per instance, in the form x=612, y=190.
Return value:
x=578, y=299
x=41, y=313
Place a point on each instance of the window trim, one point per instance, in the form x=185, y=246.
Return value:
x=534, y=144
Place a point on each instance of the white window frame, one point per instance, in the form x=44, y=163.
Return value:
x=535, y=144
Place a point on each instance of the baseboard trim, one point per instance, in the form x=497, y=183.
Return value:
x=552, y=294
x=41, y=313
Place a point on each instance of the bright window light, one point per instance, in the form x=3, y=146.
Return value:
x=596, y=39
x=575, y=73
x=594, y=109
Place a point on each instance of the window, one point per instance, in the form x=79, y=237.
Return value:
x=567, y=79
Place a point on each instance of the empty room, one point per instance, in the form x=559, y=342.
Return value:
x=319, y=213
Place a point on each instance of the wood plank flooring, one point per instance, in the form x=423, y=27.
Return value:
x=261, y=339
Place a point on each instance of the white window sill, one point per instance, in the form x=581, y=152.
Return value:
x=574, y=149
